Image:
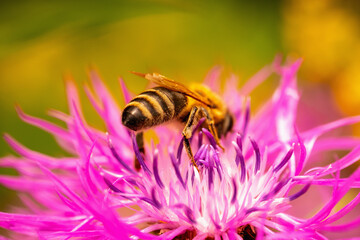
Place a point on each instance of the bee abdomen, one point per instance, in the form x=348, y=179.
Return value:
x=161, y=103
x=150, y=108
x=134, y=118
x=177, y=100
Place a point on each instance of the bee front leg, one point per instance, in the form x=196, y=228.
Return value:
x=191, y=123
x=140, y=143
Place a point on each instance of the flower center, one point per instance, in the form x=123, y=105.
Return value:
x=247, y=232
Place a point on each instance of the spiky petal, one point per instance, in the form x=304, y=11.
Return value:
x=252, y=189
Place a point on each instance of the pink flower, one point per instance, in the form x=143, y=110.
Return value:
x=247, y=191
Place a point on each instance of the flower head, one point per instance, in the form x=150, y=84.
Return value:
x=245, y=192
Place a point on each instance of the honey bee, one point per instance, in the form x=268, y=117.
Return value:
x=171, y=100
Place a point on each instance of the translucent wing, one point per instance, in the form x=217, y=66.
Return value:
x=163, y=81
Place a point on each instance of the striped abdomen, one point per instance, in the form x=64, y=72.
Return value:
x=153, y=107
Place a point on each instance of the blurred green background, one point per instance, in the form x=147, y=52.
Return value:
x=42, y=40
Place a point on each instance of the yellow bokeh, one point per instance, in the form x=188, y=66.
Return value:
x=324, y=34
x=327, y=35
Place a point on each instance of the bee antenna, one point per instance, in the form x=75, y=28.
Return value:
x=138, y=74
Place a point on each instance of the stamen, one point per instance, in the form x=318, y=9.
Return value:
x=257, y=153
x=176, y=168
x=190, y=215
x=155, y=169
x=192, y=178
x=153, y=197
x=179, y=151
x=233, y=199
x=200, y=154
x=188, y=212
x=200, y=136
x=237, y=150
x=276, y=189
x=240, y=159
x=239, y=140
x=246, y=117
x=111, y=186
x=284, y=161
x=186, y=177
x=251, y=210
x=210, y=137
x=150, y=201
x=133, y=182
x=117, y=157
x=210, y=163
x=138, y=155
x=217, y=226
x=216, y=159
x=210, y=177
x=299, y=193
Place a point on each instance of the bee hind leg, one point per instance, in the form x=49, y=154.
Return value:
x=140, y=143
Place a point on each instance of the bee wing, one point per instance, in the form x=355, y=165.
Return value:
x=173, y=85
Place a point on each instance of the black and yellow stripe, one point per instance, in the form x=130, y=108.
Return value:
x=175, y=101
x=153, y=107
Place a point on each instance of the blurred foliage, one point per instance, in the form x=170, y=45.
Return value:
x=40, y=41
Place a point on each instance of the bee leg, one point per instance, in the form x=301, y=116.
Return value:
x=192, y=121
x=140, y=143
x=212, y=128
x=189, y=152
